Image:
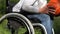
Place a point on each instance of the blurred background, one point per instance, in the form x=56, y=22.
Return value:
x=3, y=10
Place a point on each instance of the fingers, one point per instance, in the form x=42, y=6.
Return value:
x=51, y=10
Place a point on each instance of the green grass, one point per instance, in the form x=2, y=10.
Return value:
x=3, y=29
x=57, y=25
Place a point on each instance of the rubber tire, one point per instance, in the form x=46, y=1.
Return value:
x=28, y=24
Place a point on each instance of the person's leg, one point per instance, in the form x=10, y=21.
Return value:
x=45, y=20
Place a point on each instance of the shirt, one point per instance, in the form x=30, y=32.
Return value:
x=27, y=5
x=55, y=5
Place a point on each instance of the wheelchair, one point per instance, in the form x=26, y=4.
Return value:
x=23, y=22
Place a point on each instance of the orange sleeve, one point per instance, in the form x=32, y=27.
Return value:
x=57, y=12
x=52, y=3
x=55, y=4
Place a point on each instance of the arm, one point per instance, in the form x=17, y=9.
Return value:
x=27, y=6
x=42, y=3
x=30, y=8
x=18, y=6
x=34, y=9
x=43, y=6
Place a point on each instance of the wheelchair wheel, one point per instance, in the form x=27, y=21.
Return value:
x=42, y=28
x=53, y=31
x=20, y=27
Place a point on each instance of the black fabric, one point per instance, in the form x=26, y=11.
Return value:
x=14, y=23
x=51, y=16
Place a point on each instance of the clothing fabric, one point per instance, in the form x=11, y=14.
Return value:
x=27, y=5
x=55, y=4
x=45, y=20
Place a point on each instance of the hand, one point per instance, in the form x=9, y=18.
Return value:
x=51, y=10
x=44, y=10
